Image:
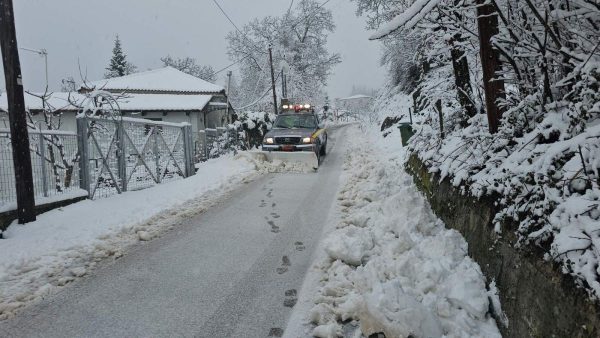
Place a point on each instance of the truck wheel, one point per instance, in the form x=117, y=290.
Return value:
x=324, y=149
x=318, y=153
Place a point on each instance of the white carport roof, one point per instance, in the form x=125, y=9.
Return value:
x=132, y=102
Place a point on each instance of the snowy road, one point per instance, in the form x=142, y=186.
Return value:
x=233, y=271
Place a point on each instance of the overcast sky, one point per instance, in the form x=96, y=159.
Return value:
x=83, y=31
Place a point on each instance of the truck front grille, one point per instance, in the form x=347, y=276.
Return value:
x=288, y=140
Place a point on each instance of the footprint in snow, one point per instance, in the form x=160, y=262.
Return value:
x=291, y=298
x=276, y=332
x=274, y=228
x=285, y=263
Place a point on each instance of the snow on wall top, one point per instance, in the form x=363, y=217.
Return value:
x=167, y=79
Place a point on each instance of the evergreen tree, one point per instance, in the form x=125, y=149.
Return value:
x=118, y=65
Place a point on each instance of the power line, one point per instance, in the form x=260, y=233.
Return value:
x=231, y=65
x=260, y=98
x=227, y=16
x=237, y=28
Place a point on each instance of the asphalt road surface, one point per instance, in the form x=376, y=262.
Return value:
x=233, y=271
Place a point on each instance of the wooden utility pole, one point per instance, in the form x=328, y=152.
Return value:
x=229, y=73
x=487, y=23
x=275, y=105
x=19, y=136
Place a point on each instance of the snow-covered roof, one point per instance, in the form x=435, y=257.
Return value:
x=167, y=79
x=164, y=102
x=132, y=102
x=356, y=97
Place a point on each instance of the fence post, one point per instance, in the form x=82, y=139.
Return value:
x=187, y=150
x=121, y=158
x=84, y=165
x=202, y=138
x=156, y=153
x=42, y=147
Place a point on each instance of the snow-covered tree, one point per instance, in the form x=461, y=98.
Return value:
x=118, y=65
x=299, y=44
x=189, y=65
x=545, y=157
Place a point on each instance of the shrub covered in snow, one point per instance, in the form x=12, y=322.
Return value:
x=543, y=164
x=255, y=125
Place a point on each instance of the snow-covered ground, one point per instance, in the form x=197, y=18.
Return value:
x=64, y=244
x=387, y=263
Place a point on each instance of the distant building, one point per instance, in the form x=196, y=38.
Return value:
x=357, y=104
x=164, y=94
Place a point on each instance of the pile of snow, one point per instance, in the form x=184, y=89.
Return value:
x=262, y=165
x=391, y=265
x=64, y=244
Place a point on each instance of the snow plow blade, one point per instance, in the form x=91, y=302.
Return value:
x=288, y=161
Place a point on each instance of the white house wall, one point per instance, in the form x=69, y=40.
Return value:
x=67, y=120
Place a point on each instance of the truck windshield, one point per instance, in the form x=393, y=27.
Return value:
x=295, y=121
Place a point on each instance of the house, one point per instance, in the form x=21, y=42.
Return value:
x=164, y=94
x=356, y=103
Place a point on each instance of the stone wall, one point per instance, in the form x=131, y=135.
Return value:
x=537, y=298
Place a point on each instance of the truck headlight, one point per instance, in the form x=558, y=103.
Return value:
x=307, y=140
x=269, y=140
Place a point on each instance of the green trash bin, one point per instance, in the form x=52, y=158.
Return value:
x=406, y=132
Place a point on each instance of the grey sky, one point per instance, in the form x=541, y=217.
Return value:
x=72, y=30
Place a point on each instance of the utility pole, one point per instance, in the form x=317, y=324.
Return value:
x=275, y=105
x=283, y=95
x=487, y=23
x=16, y=114
x=229, y=73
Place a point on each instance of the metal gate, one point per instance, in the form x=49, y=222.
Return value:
x=123, y=154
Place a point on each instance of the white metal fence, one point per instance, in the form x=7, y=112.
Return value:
x=132, y=154
x=54, y=160
x=111, y=155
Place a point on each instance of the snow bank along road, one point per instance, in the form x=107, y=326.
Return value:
x=387, y=264
x=233, y=271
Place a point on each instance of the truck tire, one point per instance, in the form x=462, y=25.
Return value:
x=324, y=150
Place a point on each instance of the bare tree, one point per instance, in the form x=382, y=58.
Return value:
x=299, y=45
x=190, y=66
